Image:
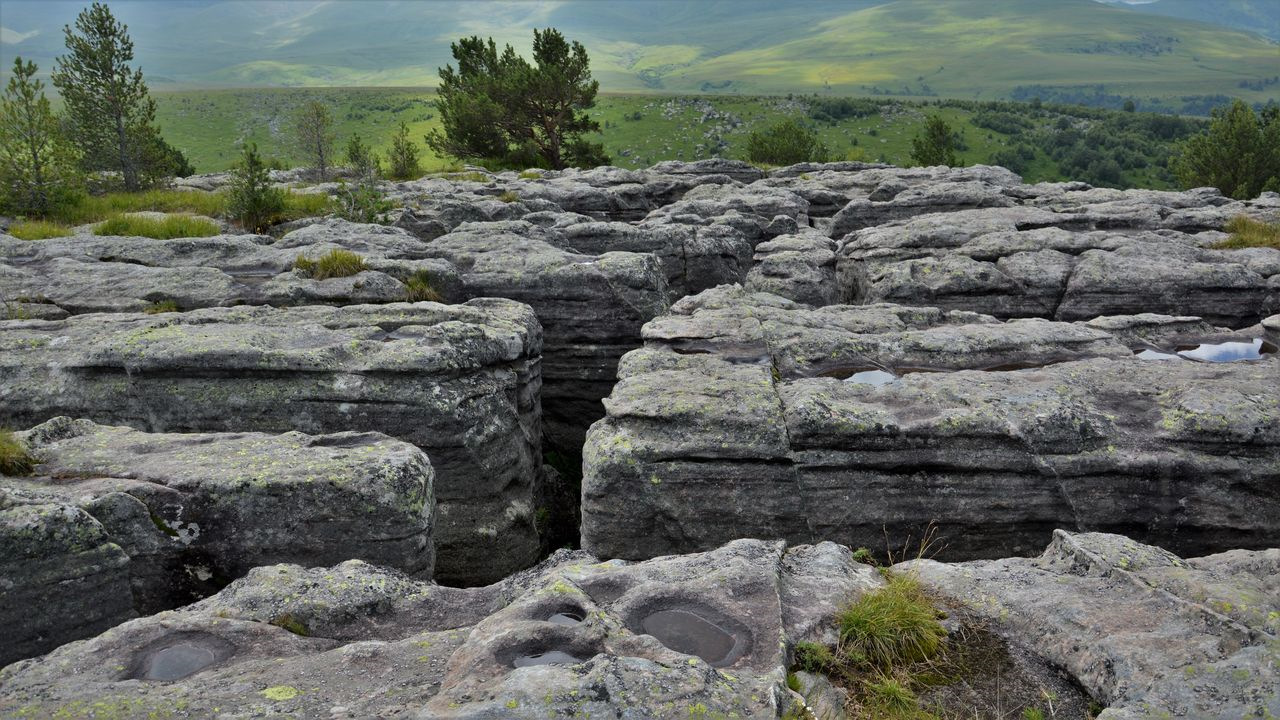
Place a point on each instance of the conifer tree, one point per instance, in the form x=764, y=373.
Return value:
x=936, y=147
x=404, y=155
x=1239, y=154
x=38, y=168
x=313, y=128
x=109, y=111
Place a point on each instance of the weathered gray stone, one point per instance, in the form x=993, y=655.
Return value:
x=1147, y=633
x=798, y=267
x=191, y=512
x=718, y=430
x=450, y=653
x=459, y=381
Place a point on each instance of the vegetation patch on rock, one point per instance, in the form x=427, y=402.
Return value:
x=173, y=226
x=1249, y=233
x=333, y=264
x=15, y=459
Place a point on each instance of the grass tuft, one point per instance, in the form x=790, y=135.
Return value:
x=38, y=230
x=163, y=306
x=333, y=264
x=15, y=459
x=292, y=624
x=173, y=226
x=894, y=625
x=509, y=196
x=418, y=288
x=1249, y=233
x=814, y=657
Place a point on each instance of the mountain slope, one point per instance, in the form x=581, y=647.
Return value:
x=1257, y=16
x=958, y=48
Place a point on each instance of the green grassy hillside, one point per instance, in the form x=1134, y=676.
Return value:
x=641, y=129
x=982, y=49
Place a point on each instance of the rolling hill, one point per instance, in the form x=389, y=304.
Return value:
x=959, y=48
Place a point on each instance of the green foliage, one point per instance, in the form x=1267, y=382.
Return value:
x=418, y=288
x=333, y=264
x=936, y=146
x=313, y=132
x=15, y=459
x=292, y=624
x=1032, y=714
x=891, y=626
x=1239, y=154
x=501, y=109
x=99, y=207
x=793, y=682
x=1245, y=233
x=404, y=155
x=814, y=657
x=889, y=697
x=251, y=200
x=509, y=196
x=168, y=228
x=38, y=230
x=785, y=143
x=363, y=161
x=162, y=306
x=39, y=171
x=109, y=111
x=864, y=556
x=363, y=203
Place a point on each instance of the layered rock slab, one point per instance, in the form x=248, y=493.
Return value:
x=702, y=634
x=459, y=381
x=178, y=516
x=1147, y=633
x=720, y=429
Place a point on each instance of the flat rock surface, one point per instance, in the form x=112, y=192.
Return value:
x=191, y=512
x=1147, y=633
x=459, y=381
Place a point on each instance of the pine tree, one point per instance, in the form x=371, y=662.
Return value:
x=362, y=159
x=404, y=155
x=110, y=113
x=38, y=168
x=936, y=147
x=1239, y=154
x=251, y=198
x=785, y=143
x=313, y=128
x=500, y=108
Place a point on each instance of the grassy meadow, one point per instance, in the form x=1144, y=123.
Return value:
x=638, y=130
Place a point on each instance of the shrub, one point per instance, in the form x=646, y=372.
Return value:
x=936, y=146
x=251, y=199
x=362, y=159
x=173, y=226
x=891, y=626
x=162, y=306
x=363, y=203
x=419, y=288
x=1245, y=233
x=785, y=143
x=38, y=230
x=15, y=459
x=333, y=264
x=404, y=155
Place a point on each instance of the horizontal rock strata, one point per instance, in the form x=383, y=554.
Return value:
x=459, y=381
x=732, y=423
x=117, y=522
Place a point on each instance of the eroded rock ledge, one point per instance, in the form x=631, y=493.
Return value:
x=118, y=523
x=733, y=422
x=459, y=381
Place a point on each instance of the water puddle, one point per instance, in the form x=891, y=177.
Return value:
x=566, y=618
x=550, y=657
x=691, y=634
x=874, y=378
x=1156, y=355
x=177, y=657
x=1229, y=351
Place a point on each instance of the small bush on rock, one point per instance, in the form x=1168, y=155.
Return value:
x=333, y=264
x=251, y=200
x=173, y=226
x=15, y=459
x=162, y=306
x=786, y=143
x=363, y=203
x=362, y=159
x=891, y=626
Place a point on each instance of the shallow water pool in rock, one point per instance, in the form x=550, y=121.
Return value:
x=1156, y=355
x=177, y=657
x=569, y=618
x=1229, y=351
x=692, y=634
x=550, y=657
x=875, y=378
